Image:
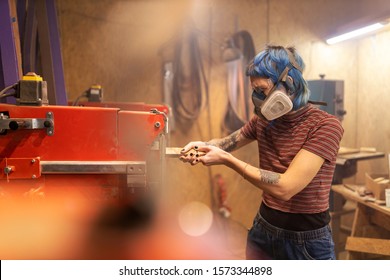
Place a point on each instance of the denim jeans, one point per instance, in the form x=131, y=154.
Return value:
x=266, y=241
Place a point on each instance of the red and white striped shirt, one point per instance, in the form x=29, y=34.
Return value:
x=280, y=140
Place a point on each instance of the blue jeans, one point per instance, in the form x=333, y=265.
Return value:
x=266, y=241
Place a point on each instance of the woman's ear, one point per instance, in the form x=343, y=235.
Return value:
x=290, y=84
x=290, y=81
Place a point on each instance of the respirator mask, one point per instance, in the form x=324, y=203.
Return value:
x=273, y=106
x=277, y=103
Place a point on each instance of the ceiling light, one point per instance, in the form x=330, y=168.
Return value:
x=356, y=33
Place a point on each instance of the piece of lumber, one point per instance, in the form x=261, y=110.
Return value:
x=368, y=245
x=175, y=152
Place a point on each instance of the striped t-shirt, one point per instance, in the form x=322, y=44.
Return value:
x=280, y=140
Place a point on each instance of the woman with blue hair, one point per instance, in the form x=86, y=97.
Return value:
x=298, y=145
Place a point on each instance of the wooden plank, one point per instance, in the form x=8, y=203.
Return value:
x=379, y=219
x=338, y=202
x=360, y=220
x=361, y=155
x=346, y=150
x=354, y=196
x=15, y=29
x=172, y=151
x=175, y=152
x=368, y=245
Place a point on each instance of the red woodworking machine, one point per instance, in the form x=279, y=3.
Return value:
x=95, y=165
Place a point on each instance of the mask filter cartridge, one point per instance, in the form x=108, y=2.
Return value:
x=276, y=105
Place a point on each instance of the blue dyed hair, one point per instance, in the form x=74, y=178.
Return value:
x=272, y=61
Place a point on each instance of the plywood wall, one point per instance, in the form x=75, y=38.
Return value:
x=122, y=45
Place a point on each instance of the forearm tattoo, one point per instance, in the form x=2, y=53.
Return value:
x=269, y=177
x=228, y=143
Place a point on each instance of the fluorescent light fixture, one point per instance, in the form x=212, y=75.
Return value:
x=356, y=33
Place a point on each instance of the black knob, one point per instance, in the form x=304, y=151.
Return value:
x=47, y=124
x=13, y=125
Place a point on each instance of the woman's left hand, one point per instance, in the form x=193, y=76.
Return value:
x=207, y=155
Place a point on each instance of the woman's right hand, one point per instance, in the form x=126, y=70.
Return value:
x=189, y=152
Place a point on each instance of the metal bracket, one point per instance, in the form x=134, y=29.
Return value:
x=136, y=175
x=25, y=168
x=7, y=123
x=165, y=117
x=20, y=168
x=135, y=171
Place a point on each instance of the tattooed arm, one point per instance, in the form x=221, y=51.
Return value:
x=215, y=149
x=285, y=185
x=230, y=143
x=299, y=174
